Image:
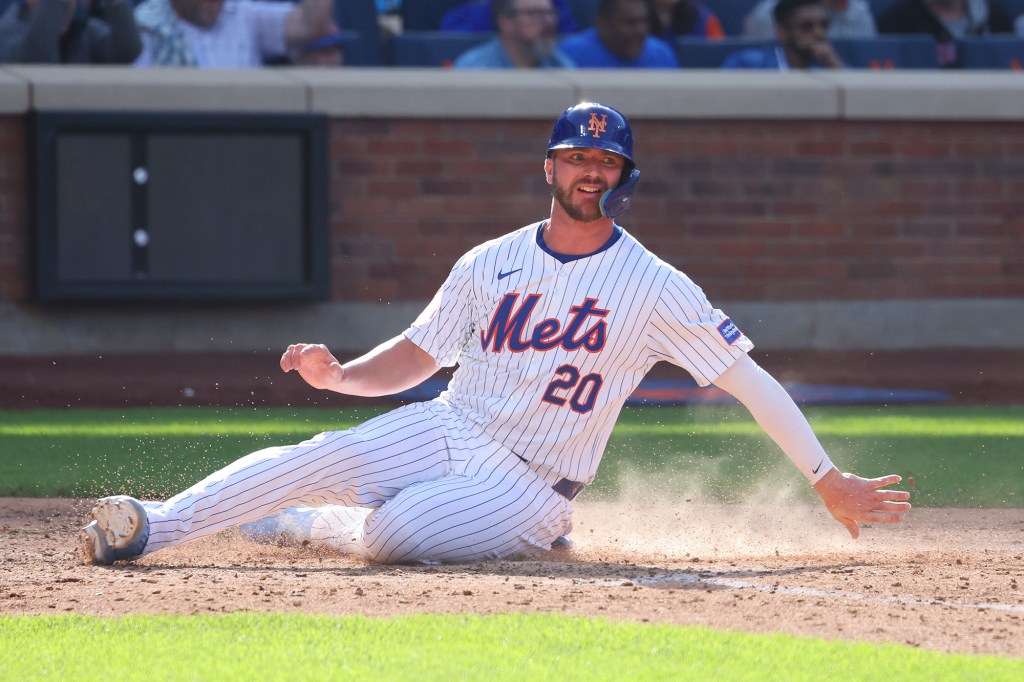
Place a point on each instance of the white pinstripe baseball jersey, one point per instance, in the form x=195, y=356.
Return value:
x=549, y=347
x=548, y=351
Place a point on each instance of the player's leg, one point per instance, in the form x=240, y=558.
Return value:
x=364, y=466
x=487, y=510
x=334, y=525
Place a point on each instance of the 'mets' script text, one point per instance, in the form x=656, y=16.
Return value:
x=586, y=327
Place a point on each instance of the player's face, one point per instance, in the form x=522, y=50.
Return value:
x=202, y=13
x=580, y=177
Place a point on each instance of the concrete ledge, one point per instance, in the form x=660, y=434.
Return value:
x=357, y=327
x=111, y=88
x=447, y=94
x=701, y=94
x=435, y=93
x=36, y=330
x=14, y=94
x=928, y=95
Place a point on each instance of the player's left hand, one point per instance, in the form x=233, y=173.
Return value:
x=314, y=363
x=853, y=500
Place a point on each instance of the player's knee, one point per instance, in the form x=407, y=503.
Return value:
x=401, y=546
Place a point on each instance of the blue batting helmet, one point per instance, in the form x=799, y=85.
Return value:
x=597, y=126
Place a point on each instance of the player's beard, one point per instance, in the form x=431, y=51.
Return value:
x=579, y=214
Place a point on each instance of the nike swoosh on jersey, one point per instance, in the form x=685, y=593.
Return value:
x=503, y=275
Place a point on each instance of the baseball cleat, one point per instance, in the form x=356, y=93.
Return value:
x=562, y=544
x=119, y=530
x=293, y=526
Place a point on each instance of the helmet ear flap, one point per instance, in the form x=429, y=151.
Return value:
x=616, y=201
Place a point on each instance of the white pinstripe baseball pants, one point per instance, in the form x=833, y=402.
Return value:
x=438, y=492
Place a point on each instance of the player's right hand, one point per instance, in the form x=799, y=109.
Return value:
x=314, y=363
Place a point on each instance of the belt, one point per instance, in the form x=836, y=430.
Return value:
x=566, y=488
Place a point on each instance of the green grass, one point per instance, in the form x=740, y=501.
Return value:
x=434, y=647
x=956, y=456
x=969, y=457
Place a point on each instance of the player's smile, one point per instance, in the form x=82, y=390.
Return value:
x=591, y=188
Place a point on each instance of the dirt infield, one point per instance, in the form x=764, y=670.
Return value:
x=948, y=580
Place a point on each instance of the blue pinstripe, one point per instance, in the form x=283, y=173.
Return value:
x=440, y=492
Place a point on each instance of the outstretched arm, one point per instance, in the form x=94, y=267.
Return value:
x=391, y=367
x=849, y=498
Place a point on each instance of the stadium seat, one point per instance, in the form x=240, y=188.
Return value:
x=701, y=53
x=731, y=14
x=888, y=52
x=360, y=16
x=432, y=48
x=1014, y=7
x=425, y=15
x=885, y=52
x=583, y=11
x=992, y=52
x=878, y=7
x=347, y=39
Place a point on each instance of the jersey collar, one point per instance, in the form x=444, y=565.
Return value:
x=565, y=258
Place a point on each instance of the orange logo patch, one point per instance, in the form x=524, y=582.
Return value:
x=598, y=125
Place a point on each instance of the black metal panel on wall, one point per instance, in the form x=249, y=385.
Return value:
x=180, y=207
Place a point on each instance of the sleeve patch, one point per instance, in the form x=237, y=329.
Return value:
x=729, y=331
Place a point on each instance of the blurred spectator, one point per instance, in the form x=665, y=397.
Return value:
x=526, y=39
x=324, y=51
x=1019, y=25
x=620, y=37
x=671, y=18
x=230, y=33
x=801, y=29
x=477, y=16
x=847, y=19
x=947, y=21
x=63, y=32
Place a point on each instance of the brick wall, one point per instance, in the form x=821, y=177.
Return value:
x=751, y=210
x=774, y=210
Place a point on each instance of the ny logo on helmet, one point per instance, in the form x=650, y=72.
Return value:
x=598, y=125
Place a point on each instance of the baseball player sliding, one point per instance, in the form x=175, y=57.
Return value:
x=552, y=327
